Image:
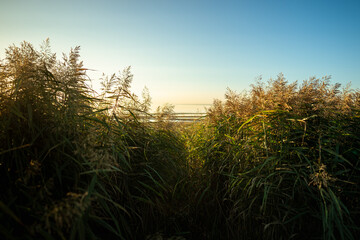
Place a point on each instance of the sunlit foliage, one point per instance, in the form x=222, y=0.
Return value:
x=280, y=161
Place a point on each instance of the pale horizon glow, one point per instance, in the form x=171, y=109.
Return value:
x=189, y=52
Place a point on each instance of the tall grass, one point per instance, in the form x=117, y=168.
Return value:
x=75, y=165
x=278, y=162
x=285, y=160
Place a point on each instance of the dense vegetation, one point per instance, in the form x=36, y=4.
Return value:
x=278, y=162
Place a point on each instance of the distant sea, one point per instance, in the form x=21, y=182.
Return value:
x=191, y=108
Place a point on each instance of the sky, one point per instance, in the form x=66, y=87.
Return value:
x=191, y=51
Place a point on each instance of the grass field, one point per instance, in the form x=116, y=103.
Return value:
x=278, y=162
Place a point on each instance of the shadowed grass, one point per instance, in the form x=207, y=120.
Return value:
x=278, y=162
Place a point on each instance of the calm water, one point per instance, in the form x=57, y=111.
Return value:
x=191, y=108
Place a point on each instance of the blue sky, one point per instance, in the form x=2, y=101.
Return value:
x=191, y=51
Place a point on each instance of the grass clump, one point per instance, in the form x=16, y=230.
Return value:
x=76, y=165
x=285, y=161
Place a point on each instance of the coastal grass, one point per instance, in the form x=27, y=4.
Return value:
x=278, y=162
